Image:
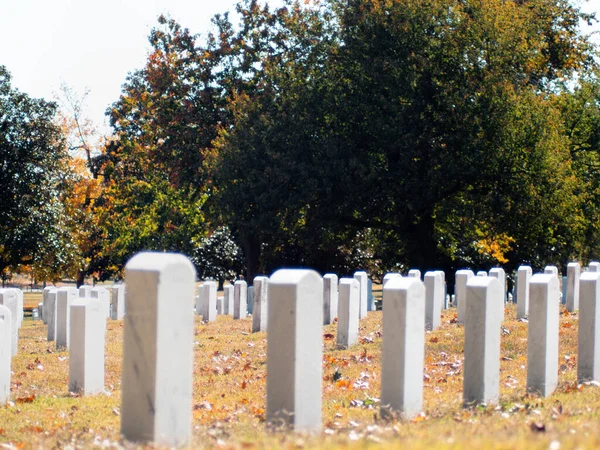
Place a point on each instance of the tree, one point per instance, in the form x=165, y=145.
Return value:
x=32, y=179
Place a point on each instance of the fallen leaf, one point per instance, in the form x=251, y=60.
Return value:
x=328, y=336
x=244, y=384
x=537, y=427
x=28, y=399
x=434, y=340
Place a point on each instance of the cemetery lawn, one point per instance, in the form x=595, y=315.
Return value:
x=229, y=394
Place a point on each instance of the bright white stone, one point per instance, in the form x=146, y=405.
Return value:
x=588, y=342
x=523, y=278
x=542, y=340
x=86, y=346
x=482, y=273
x=20, y=312
x=220, y=306
x=551, y=270
x=40, y=311
x=594, y=266
x=228, y=300
x=362, y=277
x=295, y=349
x=65, y=296
x=103, y=295
x=460, y=290
x=403, y=347
x=347, y=326
x=240, y=299
x=260, y=310
x=330, y=298
x=200, y=300
x=44, y=299
x=85, y=291
x=51, y=314
x=117, y=311
x=6, y=322
x=500, y=275
x=573, y=274
x=414, y=273
x=434, y=299
x=209, y=314
x=481, y=381
x=388, y=276
x=158, y=349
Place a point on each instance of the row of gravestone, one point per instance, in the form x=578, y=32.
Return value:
x=11, y=318
x=157, y=382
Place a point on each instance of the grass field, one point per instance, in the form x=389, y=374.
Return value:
x=229, y=395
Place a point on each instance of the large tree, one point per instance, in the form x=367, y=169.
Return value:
x=33, y=182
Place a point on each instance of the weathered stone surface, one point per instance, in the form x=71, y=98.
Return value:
x=542, y=339
x=261, y=313
x=523, y=278
x=572, y=289
x=403, y=347
x=481, y=382
x=86, y=346
x=460, y=291
x=6, y=322
x=295, y=350
x=347, y=326
x=588, y=342
x=65, y=296
x=362, y=277
x=158, y=349
x=330, y=298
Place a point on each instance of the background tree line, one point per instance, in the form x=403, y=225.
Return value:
x=333, y=134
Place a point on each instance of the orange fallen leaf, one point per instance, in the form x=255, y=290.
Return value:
x=28, y=399
x=347, y=384
x=244, y=384
x=567, y=325
x=328, y=336
x=434, y=340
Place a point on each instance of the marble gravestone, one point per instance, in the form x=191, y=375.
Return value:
x=65, y=296
x=156, y=402
x=588, y=342
x=330, y=298
x=86, y=346
x=572, y=289
x=51, y=314
x=8, y=298
x=460, y=290
x=347, y=326
x=414, y=273
x=542, y=338
x=481, y=381
x=362, y=277
x=524, y=274
x=260, y=315
x=5, y=353
x=228, y=300
x=403, y=348
x=209, y=313
x=500, y=275
x=117, y=302
x=434, y=299
x=295, y=350
x=240, y=299
x=103, y=295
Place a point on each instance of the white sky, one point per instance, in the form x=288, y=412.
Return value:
x=93, y=44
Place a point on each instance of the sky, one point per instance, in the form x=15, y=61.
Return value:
x=88, y=44
x=92, y=44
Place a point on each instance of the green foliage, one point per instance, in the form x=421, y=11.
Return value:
x=33, y=180
x=218, y=256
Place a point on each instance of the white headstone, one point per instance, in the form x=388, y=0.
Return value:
x=500, y=275
x=209, y=314
x=347, y=326
x=482, y=273
x=551, y=270
x=260, y=310
x=523, y=278
x=330, y=298
x=20, y=311
x=220, y=306
x=103, y=295
x=481, y=382
x=44, y=299
x=573, y=274
x=594, y=266
x=588, y=342
x=5, y=352
x=240, y=299
x=460, y=291
x=403, y=351
x=228, y=300
x=86, y=346
x=200, y=300
x=388, y=276
x=85, y=291
x=295, y=349
x=542, y=339
x=414, y=273
x=50, y=309
x=362, y=277
x=158, y=343
x=434, y=299
x=40, y=311
x=65, y=296
x=117, y=297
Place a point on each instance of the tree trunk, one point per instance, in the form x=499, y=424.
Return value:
x=80, y=278
x=251, y=247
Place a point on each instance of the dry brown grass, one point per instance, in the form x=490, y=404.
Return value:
x=229, y=395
